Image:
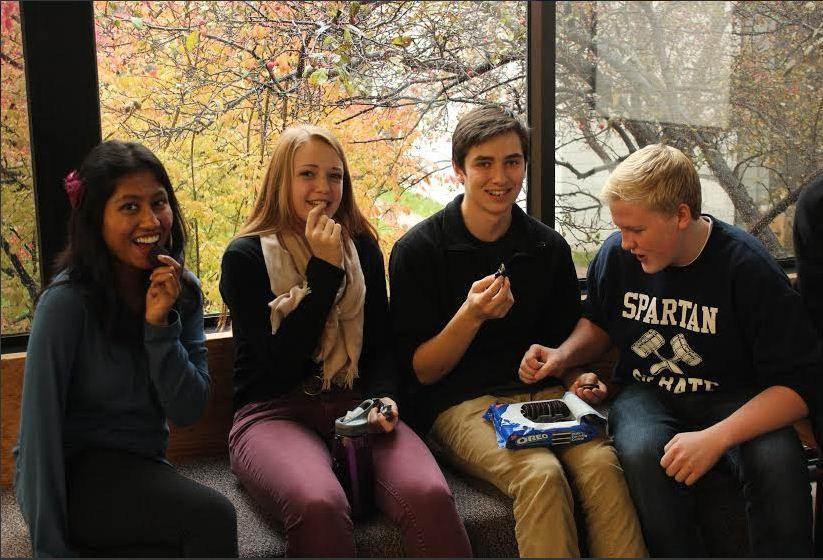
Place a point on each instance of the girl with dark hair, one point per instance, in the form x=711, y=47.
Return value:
x=306, y=287
x=117, y=348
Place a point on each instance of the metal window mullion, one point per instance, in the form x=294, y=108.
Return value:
x=541, y=62
x=64, y=109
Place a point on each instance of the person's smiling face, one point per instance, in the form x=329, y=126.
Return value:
x=317, y=178
x=493, y=174
x=137, y=217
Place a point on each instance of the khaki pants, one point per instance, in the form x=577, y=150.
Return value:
x=538, y=480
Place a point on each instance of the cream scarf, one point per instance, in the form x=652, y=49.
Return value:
x=286, y=258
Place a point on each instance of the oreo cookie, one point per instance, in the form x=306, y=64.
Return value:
x=155, y=252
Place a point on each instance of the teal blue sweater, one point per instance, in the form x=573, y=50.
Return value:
x=81, y=390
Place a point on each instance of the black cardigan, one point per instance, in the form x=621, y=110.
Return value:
x=266, y=365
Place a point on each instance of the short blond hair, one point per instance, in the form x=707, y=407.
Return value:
x=660, y=176
x=273, y=212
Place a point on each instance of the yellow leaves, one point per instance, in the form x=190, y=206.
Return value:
x=259, y=32
x=249, y=64
x=192, y=39
x=402, y=41
x=318, y=77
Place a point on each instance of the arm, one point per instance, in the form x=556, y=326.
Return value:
x=40, y=480
x=244, y=285
x=377, y=363
x=689, y=455
x=177, y=362
x=586, y=343
x=562, y=309
x=786, y=362
x=427, y=345
x=489, y=298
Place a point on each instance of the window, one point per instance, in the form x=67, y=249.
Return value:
x=733, y=84
x=208, y=86
x=19, y=261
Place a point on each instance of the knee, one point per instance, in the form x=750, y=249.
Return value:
x=426, y=496
x=773, y=458
x=317, y=509
x=223, y=514
x=543, y=479
x=214, y=520
x=640, y=451
x=597, y=468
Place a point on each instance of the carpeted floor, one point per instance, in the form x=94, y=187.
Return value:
x=486, y=512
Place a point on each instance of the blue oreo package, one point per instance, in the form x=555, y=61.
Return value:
x=545, y=423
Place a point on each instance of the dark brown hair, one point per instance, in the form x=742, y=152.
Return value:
x=87, y=259
x=483, y=123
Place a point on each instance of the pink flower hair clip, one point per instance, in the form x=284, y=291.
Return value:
x=75, y=188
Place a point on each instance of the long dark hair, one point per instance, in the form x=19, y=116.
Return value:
x=87, y=259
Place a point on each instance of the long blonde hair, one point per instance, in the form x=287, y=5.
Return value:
x=273, y=211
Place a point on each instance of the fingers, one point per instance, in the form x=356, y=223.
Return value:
x=674, y=463
x=384, y=420
x=484, y=283
x=313, y=216
x=165, y=284
x=534, y=358
x=533, y=363
x=328, y=226
x=526, y=376
x=169, y=262
x=497, y=299
x=589, y=388
x=504, y=292
x=594, y=395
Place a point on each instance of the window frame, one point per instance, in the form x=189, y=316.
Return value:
x=65, y=122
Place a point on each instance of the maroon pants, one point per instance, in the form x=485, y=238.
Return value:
x=279, y=452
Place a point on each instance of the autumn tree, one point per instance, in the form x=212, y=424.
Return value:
x=19, y=266
x=208, y=86
x=634, y=73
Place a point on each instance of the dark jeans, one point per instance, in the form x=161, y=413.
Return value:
x=771, y=470
x=123, y=504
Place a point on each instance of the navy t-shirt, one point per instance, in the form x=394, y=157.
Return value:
x=729, y=320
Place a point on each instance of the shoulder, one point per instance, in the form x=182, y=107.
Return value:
x=62, y=308
x=743, y=260
x=611, y=250
x=243, y=252
x=812, y=196
x=740, y=251
x=63, y=297
x=368, y=251
x=425, y=235
x=188, y=276
x=610, y=260
x=540, y=232
x=367, y=245
x=193, y=288
x=810, y=203
x=244, y=247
